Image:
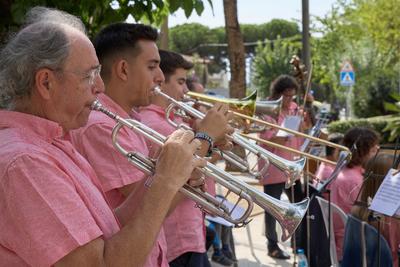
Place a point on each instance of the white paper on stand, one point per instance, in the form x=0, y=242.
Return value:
x=290, y=122
x=237, y=213
x=387, y=198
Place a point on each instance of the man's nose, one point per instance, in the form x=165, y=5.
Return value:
x=98, y=86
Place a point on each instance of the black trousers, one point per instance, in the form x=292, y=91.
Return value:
x=210, y=235
x=275, y=190
x=191, y=259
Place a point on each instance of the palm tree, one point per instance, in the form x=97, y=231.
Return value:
x=237, y=84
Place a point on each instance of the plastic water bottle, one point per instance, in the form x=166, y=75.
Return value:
x=302, y=258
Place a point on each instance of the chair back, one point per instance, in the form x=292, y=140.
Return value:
x=324, y=204
x=360, y=247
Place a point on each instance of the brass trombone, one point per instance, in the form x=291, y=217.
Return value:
x=295, y=151
x=288, y=215
x=248, y=105
x=206, y=98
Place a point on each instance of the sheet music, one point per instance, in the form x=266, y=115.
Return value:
x=290, y=122
x=237, y=213
x=219, y=220
x=387, y=198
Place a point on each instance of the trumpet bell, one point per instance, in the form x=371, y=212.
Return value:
x=294, y=170
x=245, y=105
x=268, y=107
x=293, y=217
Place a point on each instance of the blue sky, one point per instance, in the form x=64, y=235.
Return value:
x=254, y=11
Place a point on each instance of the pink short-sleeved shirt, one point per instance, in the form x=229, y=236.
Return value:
x=273, y=175
x=344, y=191
x=114, y=171
x=324, y=171
x=184, y=227
x=50, y=199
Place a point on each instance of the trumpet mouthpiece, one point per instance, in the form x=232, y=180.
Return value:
x=157, y=89
x=96, y=105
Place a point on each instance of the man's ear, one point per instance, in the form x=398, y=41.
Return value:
x=121, y=69
x=43, y=82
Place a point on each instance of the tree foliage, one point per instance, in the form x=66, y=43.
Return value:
x=194, y=38
x=97, y=13
x=381, y=21
x=362, y=31
x=359, y=31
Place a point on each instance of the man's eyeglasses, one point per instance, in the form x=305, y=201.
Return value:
x=91, y=75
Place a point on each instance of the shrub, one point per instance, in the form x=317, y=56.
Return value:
x=379, y=124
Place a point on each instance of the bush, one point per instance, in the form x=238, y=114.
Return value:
x=377, y=123
x=272, y=60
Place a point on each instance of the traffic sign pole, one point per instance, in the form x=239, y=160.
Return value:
x=349, y=97
x=347, y=78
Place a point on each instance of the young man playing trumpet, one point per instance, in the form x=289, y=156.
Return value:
x=184, y=227
x=130, y=69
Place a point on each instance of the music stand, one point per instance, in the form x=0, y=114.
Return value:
x=376, y=216
x=321, y=188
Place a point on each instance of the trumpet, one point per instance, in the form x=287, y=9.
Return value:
x=292, y=168
x=288, y=215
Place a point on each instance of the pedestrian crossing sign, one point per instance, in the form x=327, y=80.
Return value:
x=347, y=75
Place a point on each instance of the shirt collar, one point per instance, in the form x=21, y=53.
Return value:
x=42, y=127
x=357, y=169
x=134, y=114
x=157, y=109
x=112, y=106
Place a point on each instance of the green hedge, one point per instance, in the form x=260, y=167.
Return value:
x=376, y=123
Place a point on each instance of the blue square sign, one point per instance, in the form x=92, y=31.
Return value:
x=347, y=78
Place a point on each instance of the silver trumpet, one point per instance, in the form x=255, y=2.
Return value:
x=288, y=215
x=238, y=161
x=292, y=169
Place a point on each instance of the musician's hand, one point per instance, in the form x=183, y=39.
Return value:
x=226, y=146
x=306, y=122
x=200, y=108
x=194, y=122
x=215, y=156
x=176, y=161
x=198, y=180
x=215, y=123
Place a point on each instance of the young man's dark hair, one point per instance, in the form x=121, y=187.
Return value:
x=170, y=61
x=119, y=38
x=335, y=138
x=280, y=84
x=364, y=140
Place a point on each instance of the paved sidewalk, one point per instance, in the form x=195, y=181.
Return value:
x=258, y=256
